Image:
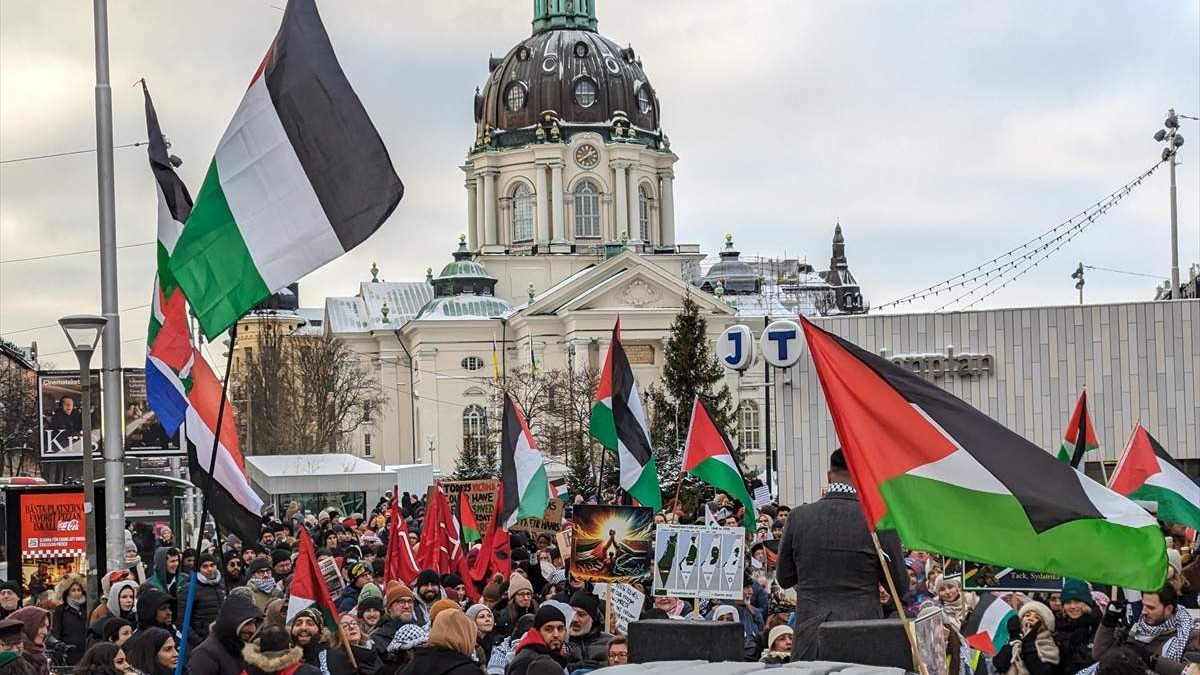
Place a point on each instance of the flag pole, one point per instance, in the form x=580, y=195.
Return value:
x=908, y=629
x=212, y=466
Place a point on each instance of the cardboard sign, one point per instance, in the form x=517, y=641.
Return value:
x=698, y=561
x=53, y=525
x=931, y=641
x=332, y=575
x=627, y=603
x=480, y=493
x=977, y=577
x=613, y=544
x=549, y=523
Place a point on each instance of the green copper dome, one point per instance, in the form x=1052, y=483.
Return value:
x=464, y=290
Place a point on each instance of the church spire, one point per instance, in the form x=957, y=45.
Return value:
x=551, y=14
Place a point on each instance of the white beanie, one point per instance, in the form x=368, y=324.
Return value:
x=776, y=633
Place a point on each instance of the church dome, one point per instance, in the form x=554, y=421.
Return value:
x=569, y=69
x=736, y=276
x=464, y=290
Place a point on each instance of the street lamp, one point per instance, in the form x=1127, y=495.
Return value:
x=83, y=332
x=1171, y=139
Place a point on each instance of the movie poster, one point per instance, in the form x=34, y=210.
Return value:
x=60, y=398
x=143, y=433
x=612, y=544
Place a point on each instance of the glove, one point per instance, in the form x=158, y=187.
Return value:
x=1014, y=628
x=1031, y=637
x=1143, y=652
x=1115, y=615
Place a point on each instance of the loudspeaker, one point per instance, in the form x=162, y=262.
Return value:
x=879, y=642
x=682, y=640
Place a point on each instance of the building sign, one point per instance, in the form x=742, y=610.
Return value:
x=782, y=343
x=52, y=525
x=735, y=348
x=60, y=398
x=948, y=364
x=639, y=355
x=143, y=433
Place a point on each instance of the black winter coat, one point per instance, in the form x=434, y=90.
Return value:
x=148, y=603
x=1074, y=638
x=70, y=626
x=209, y=598
x=440, y=661
x=221, y=652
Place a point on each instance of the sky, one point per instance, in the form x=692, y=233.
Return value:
x=939, y=133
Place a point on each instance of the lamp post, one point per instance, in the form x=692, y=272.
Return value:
x=1171, y=139
x=83, y=332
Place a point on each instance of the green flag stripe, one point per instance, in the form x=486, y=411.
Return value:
x=1172, y=506
x=647, y=490
x=602, y=427
x=724, y=477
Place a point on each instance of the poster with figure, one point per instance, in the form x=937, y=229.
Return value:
x=698, y=561
x=612, y=544
x=61, y=398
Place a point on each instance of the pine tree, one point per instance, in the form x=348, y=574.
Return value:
x=690, y=369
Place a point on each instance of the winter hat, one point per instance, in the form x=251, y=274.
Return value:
x=491, y=592
x=543, y=667
x=276, y=612
x=205, y=558
x=395, y=591
x=370, y=602
x=588, y=603
x=454, y=631
x=1043, y=613
x=441, y=606
x=549, y=612
x=518, y=556
x=451, y=580
x=11, y=585
x=312, y=613
x=776, y=633
x=279, y=555
x=722, y=610
x=273, y=641
x=427, y=577
x=1175, y=559
x=517, y=583
x=371, y=590
x=112, y=626
x=474, y=610
x=1075, y=589
x=358, y=569
x=259, y=564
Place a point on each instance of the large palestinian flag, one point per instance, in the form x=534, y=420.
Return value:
x=1147, y=473
x=987, y=628
x=708, y=456
x=950, y=480
x=618, y=422
x=300, y=177
x=1080, y=436
x=524, y=489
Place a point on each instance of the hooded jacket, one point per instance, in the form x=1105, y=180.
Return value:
x=69, y=624
x=114, y=600
x=285, y=663
x=147, y=606
x=163, y=581
x=221, y=652
x=532, y=649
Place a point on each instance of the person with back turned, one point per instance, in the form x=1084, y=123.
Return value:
x=828, y=557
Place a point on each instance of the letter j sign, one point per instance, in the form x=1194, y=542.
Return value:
x=735, y=348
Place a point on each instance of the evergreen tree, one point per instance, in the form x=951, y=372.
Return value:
x=690, y=369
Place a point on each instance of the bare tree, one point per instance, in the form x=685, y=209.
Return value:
x=301, y=394
x=18, y=418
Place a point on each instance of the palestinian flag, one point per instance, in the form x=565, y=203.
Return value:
x=399, y=564
x=618, y=422
x=708, y=456
x=1080, y=436
x=308, y=587
x=987, y=628
x=950, y=480
x=466, y=517
x=300, y=177
x=1147, y=473
x=524, y=490
x=169, y=351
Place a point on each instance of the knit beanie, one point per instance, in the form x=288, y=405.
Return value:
x=516, y=583
x=427, y=577
x=259, y=564
x=273, y=640
x=548, y=613
x=1075, y=589
x=370, y=602
x=588, y=603
x=491, y=592
x=371, y=590
x=395, y=591
x=776, y=633
x=277, y=556
x=474, y=610
x=441, y=606
x=451, y=580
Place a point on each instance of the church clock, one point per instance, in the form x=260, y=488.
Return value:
x=587, y=156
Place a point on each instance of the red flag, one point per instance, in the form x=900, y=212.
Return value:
x=308, y=586
x=494, y=554
x=399, y=563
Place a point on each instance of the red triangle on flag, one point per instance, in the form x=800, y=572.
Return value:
x=1137, y=465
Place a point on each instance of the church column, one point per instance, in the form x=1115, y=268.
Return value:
x=622, y=202
x=666, y=215
x=558, y=230
x=489, y=207
x=472, y=216
x=635, y=230
x=544, y=234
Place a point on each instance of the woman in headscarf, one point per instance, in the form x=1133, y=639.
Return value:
x=1032, y=650
x=952, y=598
x=449, y=649
x=727, y=613
x=152, y=651
x=33, y=643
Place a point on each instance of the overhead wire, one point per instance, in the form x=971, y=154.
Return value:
x=49, y=256
x=52, y=155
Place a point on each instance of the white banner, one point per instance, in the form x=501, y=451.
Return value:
x=698, y=561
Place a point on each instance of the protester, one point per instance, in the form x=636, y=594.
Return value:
x=1031, y=649
x=519, y=602
x=271, y=653
x=1075, y=628
x=152, y=651
x=35, y=627
x=221, y=652
x=69, y=623
x=1159, y=638
x=261, y=582
x=504, y=650
x=208, y=600
x=116, y=630
x=365, y=656
x=618, y=651
x=828, y=557
x=485, y=625
x=166, y=576
x=122, y=598
x=449, y=649
x=155, y=608
x=10, y=598
x=310, y=635
x=429, y=591
x=399, y=604
x=958, y=603
x=587, y=646
x=543, y=643
x=103, y=658
x=360, y=576
x=779, y=645
x=370, y=613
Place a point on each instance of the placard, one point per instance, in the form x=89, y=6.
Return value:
x=549, y=523
x=53, y=525
x=627, y=604
x=482, y=495
x=332, y=575
x=612, y=544
x=978, y=577
x=60, y=398
x=698, y=561
x=143, y=433
x=931, y=641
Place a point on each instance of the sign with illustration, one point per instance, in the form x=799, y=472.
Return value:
x=612, y=544
x=698, y=561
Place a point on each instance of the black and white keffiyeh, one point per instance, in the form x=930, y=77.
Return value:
x=840, y=489
x=1182, y=623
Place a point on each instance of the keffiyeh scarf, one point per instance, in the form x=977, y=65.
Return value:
x=1182, y=623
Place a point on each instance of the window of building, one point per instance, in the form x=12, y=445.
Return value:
x=587, y=210
x=645, y=99
x=474, y=419
x=514, y=96
x=749, y=431
x=522, y=204
x=472, y=363
x=585, y=92
x=643, y=215
x=367, y=451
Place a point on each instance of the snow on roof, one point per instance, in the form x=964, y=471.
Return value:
x=314, y=321
x=334, y=464
x=364, y=312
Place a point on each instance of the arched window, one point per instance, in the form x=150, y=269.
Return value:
x=643, y=214
x=522, y=205
x=587, y=210
x=474, y=420
x=749, y=438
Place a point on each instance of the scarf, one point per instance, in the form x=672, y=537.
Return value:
x=35, y=655
x=76, y=604
x=209, y=582
x=840, y=489
x=1181, y=623
x=264, y=585
x=1047, y=652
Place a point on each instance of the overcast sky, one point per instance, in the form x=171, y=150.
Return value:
x=940, y=133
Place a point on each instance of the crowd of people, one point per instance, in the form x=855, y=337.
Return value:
x=803, y=567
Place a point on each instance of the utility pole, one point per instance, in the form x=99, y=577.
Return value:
x=114, y=441
x=1078, y=276
x=1172, y=140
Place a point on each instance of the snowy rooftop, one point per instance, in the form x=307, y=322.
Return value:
x=311, y=465
x=364, y=312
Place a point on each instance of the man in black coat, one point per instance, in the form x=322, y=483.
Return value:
x=209, y=597
x=828, y=557
x=221, y=652
x=156, y=609
x=587, y=646
x=313, y=638
x=543, y=644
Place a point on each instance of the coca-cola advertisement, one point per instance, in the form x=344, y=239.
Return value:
x=52, y=525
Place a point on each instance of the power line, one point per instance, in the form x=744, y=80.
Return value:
x=66, y=154
x=55, y=324
x=1158, y=277
x=67, y=255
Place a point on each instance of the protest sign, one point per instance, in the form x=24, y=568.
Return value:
x=977, y=577
x=549, y=523
x=698, y=561
x=331, y=574
x=931, y=640
x=482, y=496
x=612, y=543
x=627, y=603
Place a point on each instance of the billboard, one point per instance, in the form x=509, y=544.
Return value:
x=143, y=433
x=60, y=408
x=52, y=525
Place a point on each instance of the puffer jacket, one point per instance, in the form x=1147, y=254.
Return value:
x=147, y=607
x=588, y=650
x=221, y=652
x=209, y=597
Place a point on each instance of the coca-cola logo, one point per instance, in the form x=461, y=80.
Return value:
x=68, y=525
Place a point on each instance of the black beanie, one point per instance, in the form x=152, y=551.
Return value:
x=588, y=603
x=427, y=577
x=370, y=602
x=279, y=555
x=547, y=614
x=451, y=580
x=259, y=564
x=203, y=558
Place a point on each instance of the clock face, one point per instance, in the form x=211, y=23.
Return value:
x=587, y=156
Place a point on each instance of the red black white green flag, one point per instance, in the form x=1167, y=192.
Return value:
x=1080, y=436
x=1147, y=473
x=524, y=488
x=308, y=587
x=708, y=456
x=951, y=480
